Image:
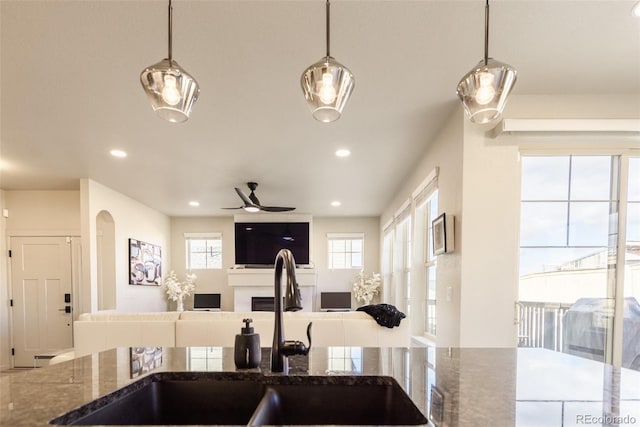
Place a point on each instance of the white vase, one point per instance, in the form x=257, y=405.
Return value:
x=366, y=300
x=180, y=305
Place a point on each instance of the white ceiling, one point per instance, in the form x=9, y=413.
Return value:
x=70, y=91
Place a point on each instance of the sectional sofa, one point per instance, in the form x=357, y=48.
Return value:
x=94, y=332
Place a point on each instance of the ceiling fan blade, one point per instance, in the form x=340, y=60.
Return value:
x=275, y=208
x=247, y=201
x=254, y=199
x=252, y=204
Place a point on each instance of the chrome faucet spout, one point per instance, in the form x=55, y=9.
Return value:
x=292, y=302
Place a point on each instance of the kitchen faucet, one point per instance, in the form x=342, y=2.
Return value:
x=282, y=349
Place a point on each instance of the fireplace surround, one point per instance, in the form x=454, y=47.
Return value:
x=248, y=283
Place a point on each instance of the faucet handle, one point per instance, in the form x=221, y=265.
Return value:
x=292, y=347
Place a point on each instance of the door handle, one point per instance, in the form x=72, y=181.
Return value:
x=67, y=309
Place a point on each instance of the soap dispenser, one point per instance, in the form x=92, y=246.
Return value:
x=247, y=352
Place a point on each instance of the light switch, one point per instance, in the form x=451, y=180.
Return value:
x=449, y=293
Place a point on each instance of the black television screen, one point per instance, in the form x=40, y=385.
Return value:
x=258, y=243
x=206, y=301
x=335, y=301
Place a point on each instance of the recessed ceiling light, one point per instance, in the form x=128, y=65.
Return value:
x=343, y=152
x=118, y=153
x=636, y=10
x=194, y=203
x=336, y=203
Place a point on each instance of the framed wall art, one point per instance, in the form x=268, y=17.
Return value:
x=144, y=359
x=145, y=263
x=442, y=229
x=439, y=237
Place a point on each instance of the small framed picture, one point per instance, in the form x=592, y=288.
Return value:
x=439, y=238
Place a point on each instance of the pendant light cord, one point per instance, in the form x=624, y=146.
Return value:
x=486, y=33
x=328, y=13
x=170, y=31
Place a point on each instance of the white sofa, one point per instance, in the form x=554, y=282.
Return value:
x=95, y=332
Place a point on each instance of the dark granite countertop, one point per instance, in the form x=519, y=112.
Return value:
x=462, y=387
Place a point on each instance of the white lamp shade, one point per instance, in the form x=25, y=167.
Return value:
x=327, y=85
x=484, y=90
x=172, y=91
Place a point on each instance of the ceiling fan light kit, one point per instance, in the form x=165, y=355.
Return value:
x=327, y=84
x=483, y=91
x=171, y=91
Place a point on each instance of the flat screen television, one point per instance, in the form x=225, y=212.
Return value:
x=258, y=243
x=210, y=302
x=335, y=301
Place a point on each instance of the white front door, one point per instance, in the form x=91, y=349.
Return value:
x=41, y=293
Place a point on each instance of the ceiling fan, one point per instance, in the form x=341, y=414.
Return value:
x=252, y=204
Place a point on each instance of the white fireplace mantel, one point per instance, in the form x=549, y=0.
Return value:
x=258, y=282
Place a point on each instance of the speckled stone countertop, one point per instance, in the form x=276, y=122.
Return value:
x=456, y=387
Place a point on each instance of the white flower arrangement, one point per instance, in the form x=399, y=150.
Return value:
x=176, y=290
x=365, y=288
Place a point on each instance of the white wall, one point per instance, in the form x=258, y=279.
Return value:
x=209, y=281
x=342, y=280
x=132, y=220
x=215, y=281
x=43, y=213
x=490, y=240
x=584, y=106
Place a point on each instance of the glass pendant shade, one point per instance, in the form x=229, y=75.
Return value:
x=484, y=90
x=172, y=91
x=327, y=85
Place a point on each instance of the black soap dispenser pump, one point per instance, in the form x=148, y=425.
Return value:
x=247, y=353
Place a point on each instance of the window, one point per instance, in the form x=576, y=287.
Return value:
x=203, y=251
x=429, y=210
x=345, y=250
x=402, y=263
x=572, y=248
x=408, y=264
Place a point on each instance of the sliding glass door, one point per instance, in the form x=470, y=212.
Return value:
x=578, y=216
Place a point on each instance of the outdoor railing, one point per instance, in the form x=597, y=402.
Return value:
x=540, y=324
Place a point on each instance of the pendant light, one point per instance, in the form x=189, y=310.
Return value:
x=484, y=90
x=170, y=89
x=327, y=84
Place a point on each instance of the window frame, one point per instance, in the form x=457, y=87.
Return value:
x=613, y=353
x=346, y=237
x=209, y=236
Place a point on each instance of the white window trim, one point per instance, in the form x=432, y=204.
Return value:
x=209, y=235
x=344, y=236
x=202, y=236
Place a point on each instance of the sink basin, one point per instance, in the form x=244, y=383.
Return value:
x=343, y=401
x=238, y=398
x=175, y=399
